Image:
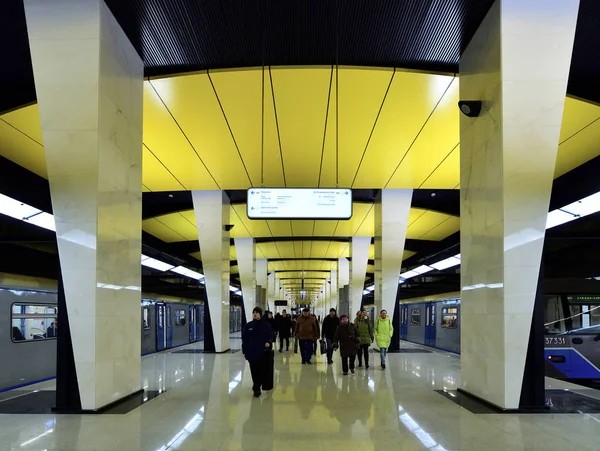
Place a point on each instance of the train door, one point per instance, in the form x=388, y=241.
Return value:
x=192, y=316
x=161, y=333
x=169, y=321
x=200, y=321
x=403, y=322
x=429, y=324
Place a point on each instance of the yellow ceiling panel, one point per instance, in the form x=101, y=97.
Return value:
x=372, y=252
x=432, y=225
x=410, y=101
x=20, y=135
x=232, y=253
x=249, y=227
x=192, y=101
x=155, y=176
x=576, y=115
x=234, y=269
x=240, y=96
x=438, y=138
x=197, y=255
x=301, y=101
x=27, y=120
x=447, y=174
x=300, y=274
x=286, y=249
x=361, y=94
x=162, y=231
x=299, y=248
x=280, y=227
x=325, y=227
x=361, y=214
x=578, y=149
x=179, y=223
x=318, y=249
x=165, y=139
x=444, y=229
x=302, y=228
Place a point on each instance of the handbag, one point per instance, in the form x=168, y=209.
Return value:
x=323, y=344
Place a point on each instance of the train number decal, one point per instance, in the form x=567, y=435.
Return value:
x=549, y=341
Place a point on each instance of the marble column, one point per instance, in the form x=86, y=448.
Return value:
x=261, y=282
x=333, y=288
x=245, y=250
x=517, y=64
x=212, y=210
x=392, y=208
x=89, y=83
x=358, y=271
x=271, y=293
x=343, y=286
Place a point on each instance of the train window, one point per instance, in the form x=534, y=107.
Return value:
x=415, y=316
x=449, y=317
x=180, y=317
x=146, y=318
x=33, y=322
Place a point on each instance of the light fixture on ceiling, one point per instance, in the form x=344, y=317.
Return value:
x=470, y=108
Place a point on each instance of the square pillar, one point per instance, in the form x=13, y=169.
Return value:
x=517, y=64
x=212, y=210
x=89, y=85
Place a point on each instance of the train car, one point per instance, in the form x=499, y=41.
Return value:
x=572, y=340
x=29, y=328
x=434, y=323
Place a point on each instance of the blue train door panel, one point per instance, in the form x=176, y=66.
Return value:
x=200, y=321
x=161, y=336
x=429, y=324
x=169, y=320
x=403, y=322
x=193, y=324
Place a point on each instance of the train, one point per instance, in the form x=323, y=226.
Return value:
x=29, y=328
x=432, y=323
x=571, y=340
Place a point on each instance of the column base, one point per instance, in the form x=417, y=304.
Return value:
x=473, y=400
x=132, y=398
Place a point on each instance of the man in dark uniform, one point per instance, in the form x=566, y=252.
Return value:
x=330, y=325
x=257, y=341
x=285, y=330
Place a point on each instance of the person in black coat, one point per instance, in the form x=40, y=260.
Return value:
x=257, y=342
x=285, y=330
x=330, y=325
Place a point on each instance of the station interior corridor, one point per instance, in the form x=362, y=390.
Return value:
x=205, y=403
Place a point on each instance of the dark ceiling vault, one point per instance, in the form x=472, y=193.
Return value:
x=176, y=36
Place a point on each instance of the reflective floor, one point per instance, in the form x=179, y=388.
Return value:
x=206, y=404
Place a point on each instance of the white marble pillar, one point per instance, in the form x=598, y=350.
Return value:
x=518, y=65
x=261, y=281
x=392, y=208
x=212, y=210
x=358, y=271
x=271, y=292
x=89, y=85
x=245, y=250
x=333, y=288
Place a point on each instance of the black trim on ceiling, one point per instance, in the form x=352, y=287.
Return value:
x=576, y=184
x=23, y=185
x=165, y=202
x=441, y=200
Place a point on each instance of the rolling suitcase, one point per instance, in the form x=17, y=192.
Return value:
x=323, y=344
x=269, y=361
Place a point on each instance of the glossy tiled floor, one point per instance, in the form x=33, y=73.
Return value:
x=208, y=405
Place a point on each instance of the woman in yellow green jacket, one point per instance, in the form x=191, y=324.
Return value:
x=383, y=335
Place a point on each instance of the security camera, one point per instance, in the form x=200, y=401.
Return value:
x=228, y=227
x=470, y=108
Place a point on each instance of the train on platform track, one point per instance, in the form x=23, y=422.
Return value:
x=29, y=328
x=571, y=340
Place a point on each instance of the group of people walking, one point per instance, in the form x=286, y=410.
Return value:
x=352, y=339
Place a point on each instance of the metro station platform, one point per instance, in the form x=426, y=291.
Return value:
x=205, y=403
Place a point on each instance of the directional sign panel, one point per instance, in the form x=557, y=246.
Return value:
x=299, y=203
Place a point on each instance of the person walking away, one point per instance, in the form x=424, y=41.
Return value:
x=365, y=332
x=268, y=316
x=257, y=342
x=345, y=339
x=330, y=325
x=318, y=334
x=306, y=332
x=383, y=335
x=285, y=330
